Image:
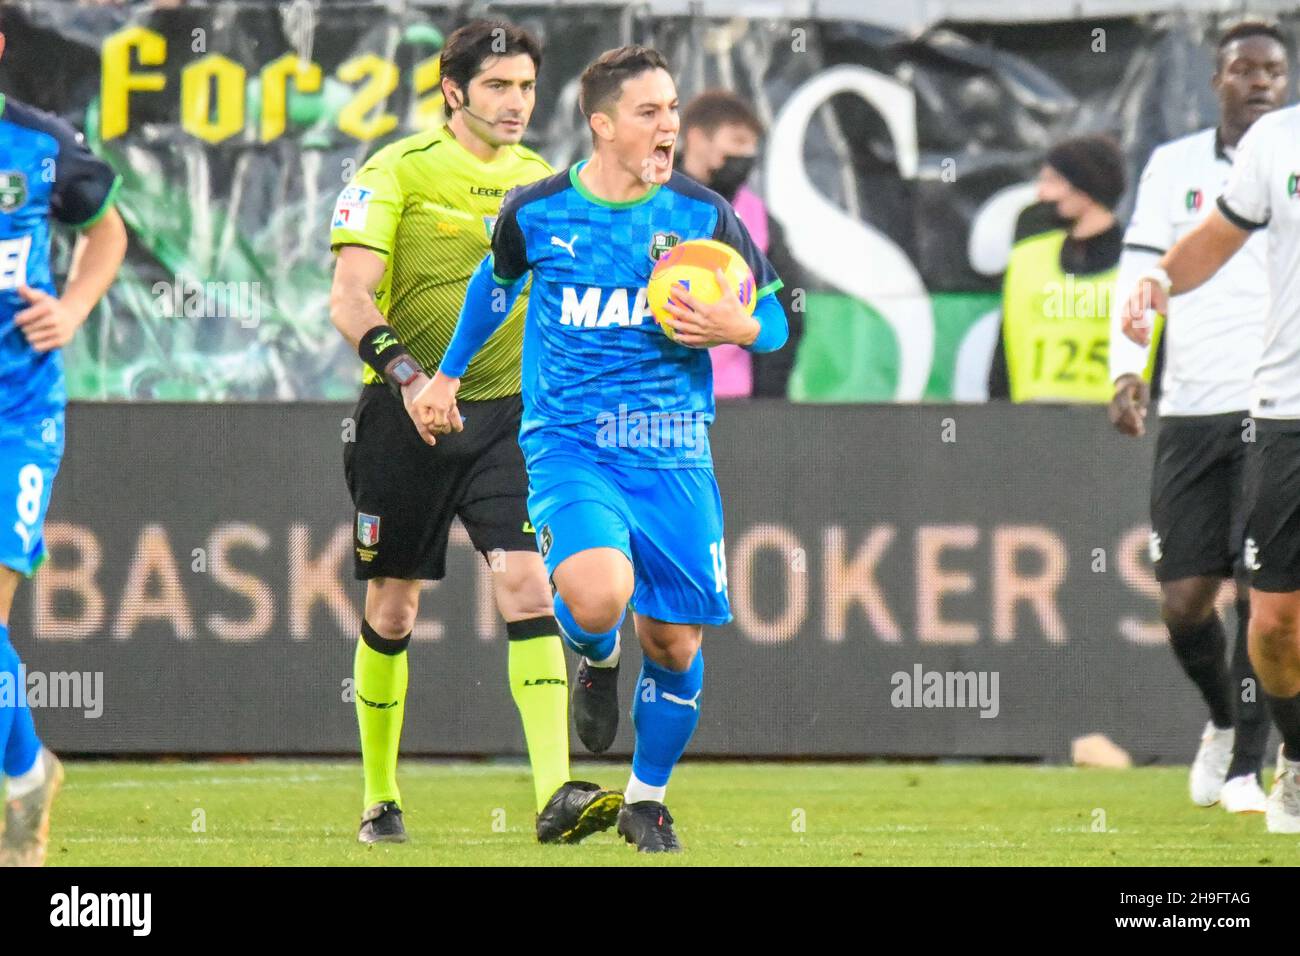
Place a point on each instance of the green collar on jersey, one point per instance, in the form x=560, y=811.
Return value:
x=2, y=104
x=588, y=195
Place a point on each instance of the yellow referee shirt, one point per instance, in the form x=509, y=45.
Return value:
x=427, y=205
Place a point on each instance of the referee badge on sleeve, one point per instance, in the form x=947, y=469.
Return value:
x=367, y=529
x=350, y=211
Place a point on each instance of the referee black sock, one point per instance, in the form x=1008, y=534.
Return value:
x=1248, y=699
x=1200, y=650
x=1286, y=717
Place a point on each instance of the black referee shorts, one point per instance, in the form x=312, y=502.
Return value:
x=1272, y=551
x=406, y=493
x=1199, y=495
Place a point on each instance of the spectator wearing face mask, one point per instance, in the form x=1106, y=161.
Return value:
x=1060, y=278
x=719, y=146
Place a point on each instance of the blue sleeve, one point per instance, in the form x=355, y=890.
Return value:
x=488, y=301
x=773, y=327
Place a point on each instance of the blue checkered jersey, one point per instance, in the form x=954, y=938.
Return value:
x=46, y=172
x=599, y=374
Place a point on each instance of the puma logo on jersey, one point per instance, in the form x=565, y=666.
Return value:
x=566, y=246
x=588, y=311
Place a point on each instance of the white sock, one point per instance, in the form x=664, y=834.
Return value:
x=612, y=660
x=24, y=784
x=637, y=791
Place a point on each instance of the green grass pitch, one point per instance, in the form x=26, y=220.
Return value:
x=273, y=812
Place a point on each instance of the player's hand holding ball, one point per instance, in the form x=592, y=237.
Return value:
x=434, y=405
x=702, y=294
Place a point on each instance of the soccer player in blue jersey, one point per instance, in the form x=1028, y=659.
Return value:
x=616, y=414
x=46, y=172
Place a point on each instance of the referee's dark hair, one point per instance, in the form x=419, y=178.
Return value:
x=471, y=45
x=602, y=80
x=1249, y=28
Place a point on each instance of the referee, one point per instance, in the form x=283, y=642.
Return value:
x=408, y=232
x=1198, y=492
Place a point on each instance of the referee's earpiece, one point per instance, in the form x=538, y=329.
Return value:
x=464, y=105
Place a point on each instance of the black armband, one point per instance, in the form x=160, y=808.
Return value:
x=383, y=351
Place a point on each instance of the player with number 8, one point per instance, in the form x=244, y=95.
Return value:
x=48, y=173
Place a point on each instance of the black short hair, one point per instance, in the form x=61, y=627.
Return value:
x=602, y=80
x=714, y=109
x=471, y=45
x=1249, y=28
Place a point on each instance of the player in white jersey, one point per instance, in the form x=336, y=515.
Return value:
x=1263, y=193
x=1198, y=483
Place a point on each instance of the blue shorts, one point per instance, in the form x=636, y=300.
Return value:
x=668, y=521
x=30, y=452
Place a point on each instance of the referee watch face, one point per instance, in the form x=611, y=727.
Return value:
x=404, y=371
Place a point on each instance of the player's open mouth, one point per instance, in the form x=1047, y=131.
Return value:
x=663, y=152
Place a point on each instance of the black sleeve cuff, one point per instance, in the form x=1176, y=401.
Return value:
x=1241, y=222
x=1139, y=247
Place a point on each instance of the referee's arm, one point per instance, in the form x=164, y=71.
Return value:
x=357, y=274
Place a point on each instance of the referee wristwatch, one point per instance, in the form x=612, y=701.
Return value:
x=403, y=371
x=381, y=349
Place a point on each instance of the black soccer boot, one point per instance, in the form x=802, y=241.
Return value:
x=595, y=706
x=576, y=811
x=649, y=826
x=382, y=823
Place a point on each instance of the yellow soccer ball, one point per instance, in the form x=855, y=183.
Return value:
x=691, y=264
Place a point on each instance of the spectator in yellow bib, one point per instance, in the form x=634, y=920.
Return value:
x=1060, y=278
